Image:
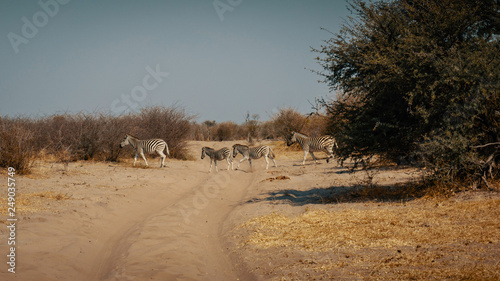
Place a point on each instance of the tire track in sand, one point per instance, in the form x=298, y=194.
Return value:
x=181, y=241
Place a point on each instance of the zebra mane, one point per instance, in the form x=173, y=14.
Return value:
x=300, y=134
x=241, y=145
x=209, y=148
x=132, y=136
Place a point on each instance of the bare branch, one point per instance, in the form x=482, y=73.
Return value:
x=485, y=145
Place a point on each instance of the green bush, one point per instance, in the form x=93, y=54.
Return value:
x=419, y=84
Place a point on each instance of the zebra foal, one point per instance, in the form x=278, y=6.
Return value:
x=323, y=143
x=146, y=146
x=217, y=155
x=254, y=153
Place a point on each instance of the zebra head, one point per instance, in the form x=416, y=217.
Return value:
x=125, y=141
x=235, y=150
x=203, y=153
x=291, y=140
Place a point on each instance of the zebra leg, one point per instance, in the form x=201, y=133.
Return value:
x=305, y=156
x=163, y=156
x=314, y=157
x=229, y=160
x=135, y=159
x=210, y=170
x=274, y=162
x=330, y=154
x=216, y=169
x=144, y=157
x=272, y=158
x=267, y=162
x=244, y=158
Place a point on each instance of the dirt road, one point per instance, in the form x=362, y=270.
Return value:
x=111, y=221
x=116, y=222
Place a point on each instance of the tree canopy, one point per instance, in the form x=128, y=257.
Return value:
x=419, y=81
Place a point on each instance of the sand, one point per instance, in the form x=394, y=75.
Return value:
x=112, y=221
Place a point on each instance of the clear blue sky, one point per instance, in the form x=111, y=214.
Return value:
x=217, y=59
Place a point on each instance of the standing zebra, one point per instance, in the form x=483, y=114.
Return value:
x=254, y=153
x=323, y=143
x=217, y=155
x=146, y=146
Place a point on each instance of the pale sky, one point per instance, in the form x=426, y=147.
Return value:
x=217, y=59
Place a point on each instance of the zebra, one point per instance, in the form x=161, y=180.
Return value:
x=146, y=146
x=323, y=143
x=217, y=155
x=254, y=153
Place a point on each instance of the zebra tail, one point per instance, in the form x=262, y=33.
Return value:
x=272, y=152
x=166, y=148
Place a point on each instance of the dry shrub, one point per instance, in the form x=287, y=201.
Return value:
x=171, y=124
x=288, y=120
x=17, y=145
x=113, y=129
x=203, y=131
x=82, y=136
x=279, y=126
x=267, y=130
x=226, y=131
x=88, y=136
x=316, y=125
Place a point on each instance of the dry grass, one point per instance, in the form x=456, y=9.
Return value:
x=321, y=230
x=419, y=240
x=32, y=202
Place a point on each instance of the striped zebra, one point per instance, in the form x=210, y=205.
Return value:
x=146, y=146
x=323, y=143
x=217, y=155
x=254, y=153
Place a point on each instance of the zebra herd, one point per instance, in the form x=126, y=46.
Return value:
x=308, y=144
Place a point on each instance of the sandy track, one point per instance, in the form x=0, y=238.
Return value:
x=125, y=223
x=100, y=221
x=181, y=240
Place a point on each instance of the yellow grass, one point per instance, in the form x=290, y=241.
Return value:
x=425, y=240
x=31, y=202
x=321, y=230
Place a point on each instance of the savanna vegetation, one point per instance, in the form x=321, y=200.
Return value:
x=418, y=83
x=96, y=136
x=88, y=136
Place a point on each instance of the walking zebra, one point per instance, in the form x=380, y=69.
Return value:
x=217, y=155
x=323, y=143
x=254, y=153
x=146, y=146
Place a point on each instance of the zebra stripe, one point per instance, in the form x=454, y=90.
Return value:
x=250, y=153
x=146, y=146
x=217, y=155
x=323, y=143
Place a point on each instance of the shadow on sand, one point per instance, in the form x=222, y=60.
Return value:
x=345, y=194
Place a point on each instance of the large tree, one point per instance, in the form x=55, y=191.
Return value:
x=419, y=80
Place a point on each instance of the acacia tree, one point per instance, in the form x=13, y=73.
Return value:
x=419, y=81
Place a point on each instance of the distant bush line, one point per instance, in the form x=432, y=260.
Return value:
x=96, y=136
